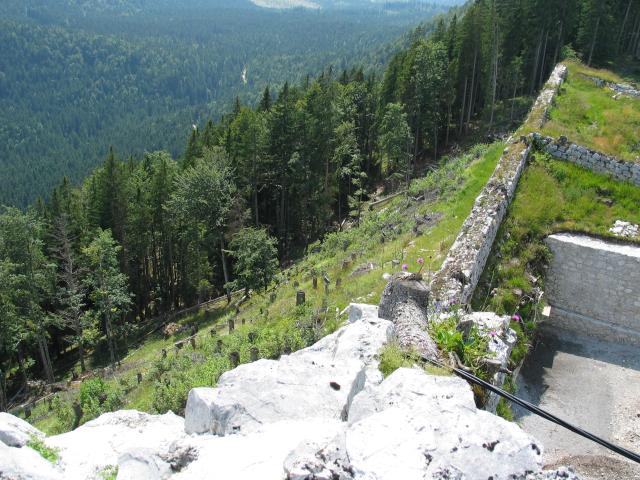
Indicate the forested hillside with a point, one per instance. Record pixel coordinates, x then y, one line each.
142 237
77 77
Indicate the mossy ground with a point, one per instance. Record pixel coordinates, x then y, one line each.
276 323
589 115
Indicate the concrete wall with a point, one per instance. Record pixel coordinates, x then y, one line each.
593 287
590 159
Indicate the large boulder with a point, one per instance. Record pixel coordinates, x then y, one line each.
25 464
103 442
421 427
316 382
15 432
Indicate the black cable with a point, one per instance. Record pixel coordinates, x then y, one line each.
538 411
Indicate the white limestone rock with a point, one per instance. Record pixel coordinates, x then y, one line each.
316 382
428 427
260 454
15 432
100 443
142 465
625 229
25 464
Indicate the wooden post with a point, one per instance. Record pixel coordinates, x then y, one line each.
139 377
253 336
164 353
254 354
234 358
232 325
193 342
243 321
314 281
273 297
219 345
300 298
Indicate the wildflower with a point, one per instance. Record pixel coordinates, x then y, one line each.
421 263
516 318
493 333
405 267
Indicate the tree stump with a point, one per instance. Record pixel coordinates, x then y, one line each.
404 302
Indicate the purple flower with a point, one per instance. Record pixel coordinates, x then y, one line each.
493 333
516 318
420 260
405 267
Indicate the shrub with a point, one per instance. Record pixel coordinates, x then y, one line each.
98 397
63 414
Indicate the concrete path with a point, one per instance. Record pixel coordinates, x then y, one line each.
596 386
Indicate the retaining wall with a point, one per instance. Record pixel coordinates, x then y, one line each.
562 149
593 287
456 281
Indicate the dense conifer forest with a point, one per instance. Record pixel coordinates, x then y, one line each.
144 236
78 77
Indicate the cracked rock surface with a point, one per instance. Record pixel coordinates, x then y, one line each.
288 419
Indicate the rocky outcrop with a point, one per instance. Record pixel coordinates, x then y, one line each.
324 412
15 432
25 464
322 379
118 438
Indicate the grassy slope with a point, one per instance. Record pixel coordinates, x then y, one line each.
588 115
278 324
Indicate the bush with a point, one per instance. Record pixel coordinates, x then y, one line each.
98 397
63 414
471 350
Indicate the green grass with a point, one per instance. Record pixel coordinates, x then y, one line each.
552 196
277 325
588 115
48 453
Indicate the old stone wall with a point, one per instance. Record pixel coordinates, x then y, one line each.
593 287
598 162
457 279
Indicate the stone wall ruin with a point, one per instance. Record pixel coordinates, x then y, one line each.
593 287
